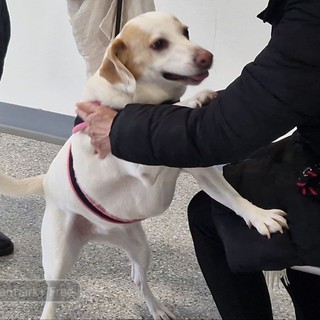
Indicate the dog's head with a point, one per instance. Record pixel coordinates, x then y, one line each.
153 59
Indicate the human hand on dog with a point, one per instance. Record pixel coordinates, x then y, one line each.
99 121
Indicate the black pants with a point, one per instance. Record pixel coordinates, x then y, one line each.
242 296
4 32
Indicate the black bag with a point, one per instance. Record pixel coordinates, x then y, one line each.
269 180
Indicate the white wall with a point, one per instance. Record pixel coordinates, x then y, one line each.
44 70
228 28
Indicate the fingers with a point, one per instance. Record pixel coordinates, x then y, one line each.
104 150
101 146
99 121
85 109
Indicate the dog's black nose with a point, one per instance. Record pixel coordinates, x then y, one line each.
203 58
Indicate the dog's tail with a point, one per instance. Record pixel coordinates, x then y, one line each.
17 188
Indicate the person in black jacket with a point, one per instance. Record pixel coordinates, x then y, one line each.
277 92
6 246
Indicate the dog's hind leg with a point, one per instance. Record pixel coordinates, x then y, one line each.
133 240
63 236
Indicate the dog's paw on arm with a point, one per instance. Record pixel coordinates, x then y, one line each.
200 99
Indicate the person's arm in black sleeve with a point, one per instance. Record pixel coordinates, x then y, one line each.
276 92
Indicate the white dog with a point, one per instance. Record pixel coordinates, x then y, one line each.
150 61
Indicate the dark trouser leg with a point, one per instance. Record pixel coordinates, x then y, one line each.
6 246
304 290
241 296
4 32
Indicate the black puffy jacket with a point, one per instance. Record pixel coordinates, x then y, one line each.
278 91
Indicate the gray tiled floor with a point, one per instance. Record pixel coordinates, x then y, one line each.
103 273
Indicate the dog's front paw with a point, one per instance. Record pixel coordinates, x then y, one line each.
205 96
267 221
200 99
160 312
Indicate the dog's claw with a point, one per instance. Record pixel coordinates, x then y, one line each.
266 221
160 312
200 99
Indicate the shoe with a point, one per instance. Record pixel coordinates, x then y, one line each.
6 245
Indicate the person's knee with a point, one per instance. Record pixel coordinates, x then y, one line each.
202 211
199 210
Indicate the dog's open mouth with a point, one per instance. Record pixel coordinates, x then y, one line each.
186 79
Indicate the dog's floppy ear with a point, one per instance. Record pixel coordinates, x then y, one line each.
113 67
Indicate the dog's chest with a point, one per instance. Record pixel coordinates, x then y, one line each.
127 190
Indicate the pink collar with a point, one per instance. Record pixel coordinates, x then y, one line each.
79 127
87 201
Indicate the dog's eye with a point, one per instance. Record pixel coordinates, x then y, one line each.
160 44
186 33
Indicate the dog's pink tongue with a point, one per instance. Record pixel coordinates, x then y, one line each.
200 77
